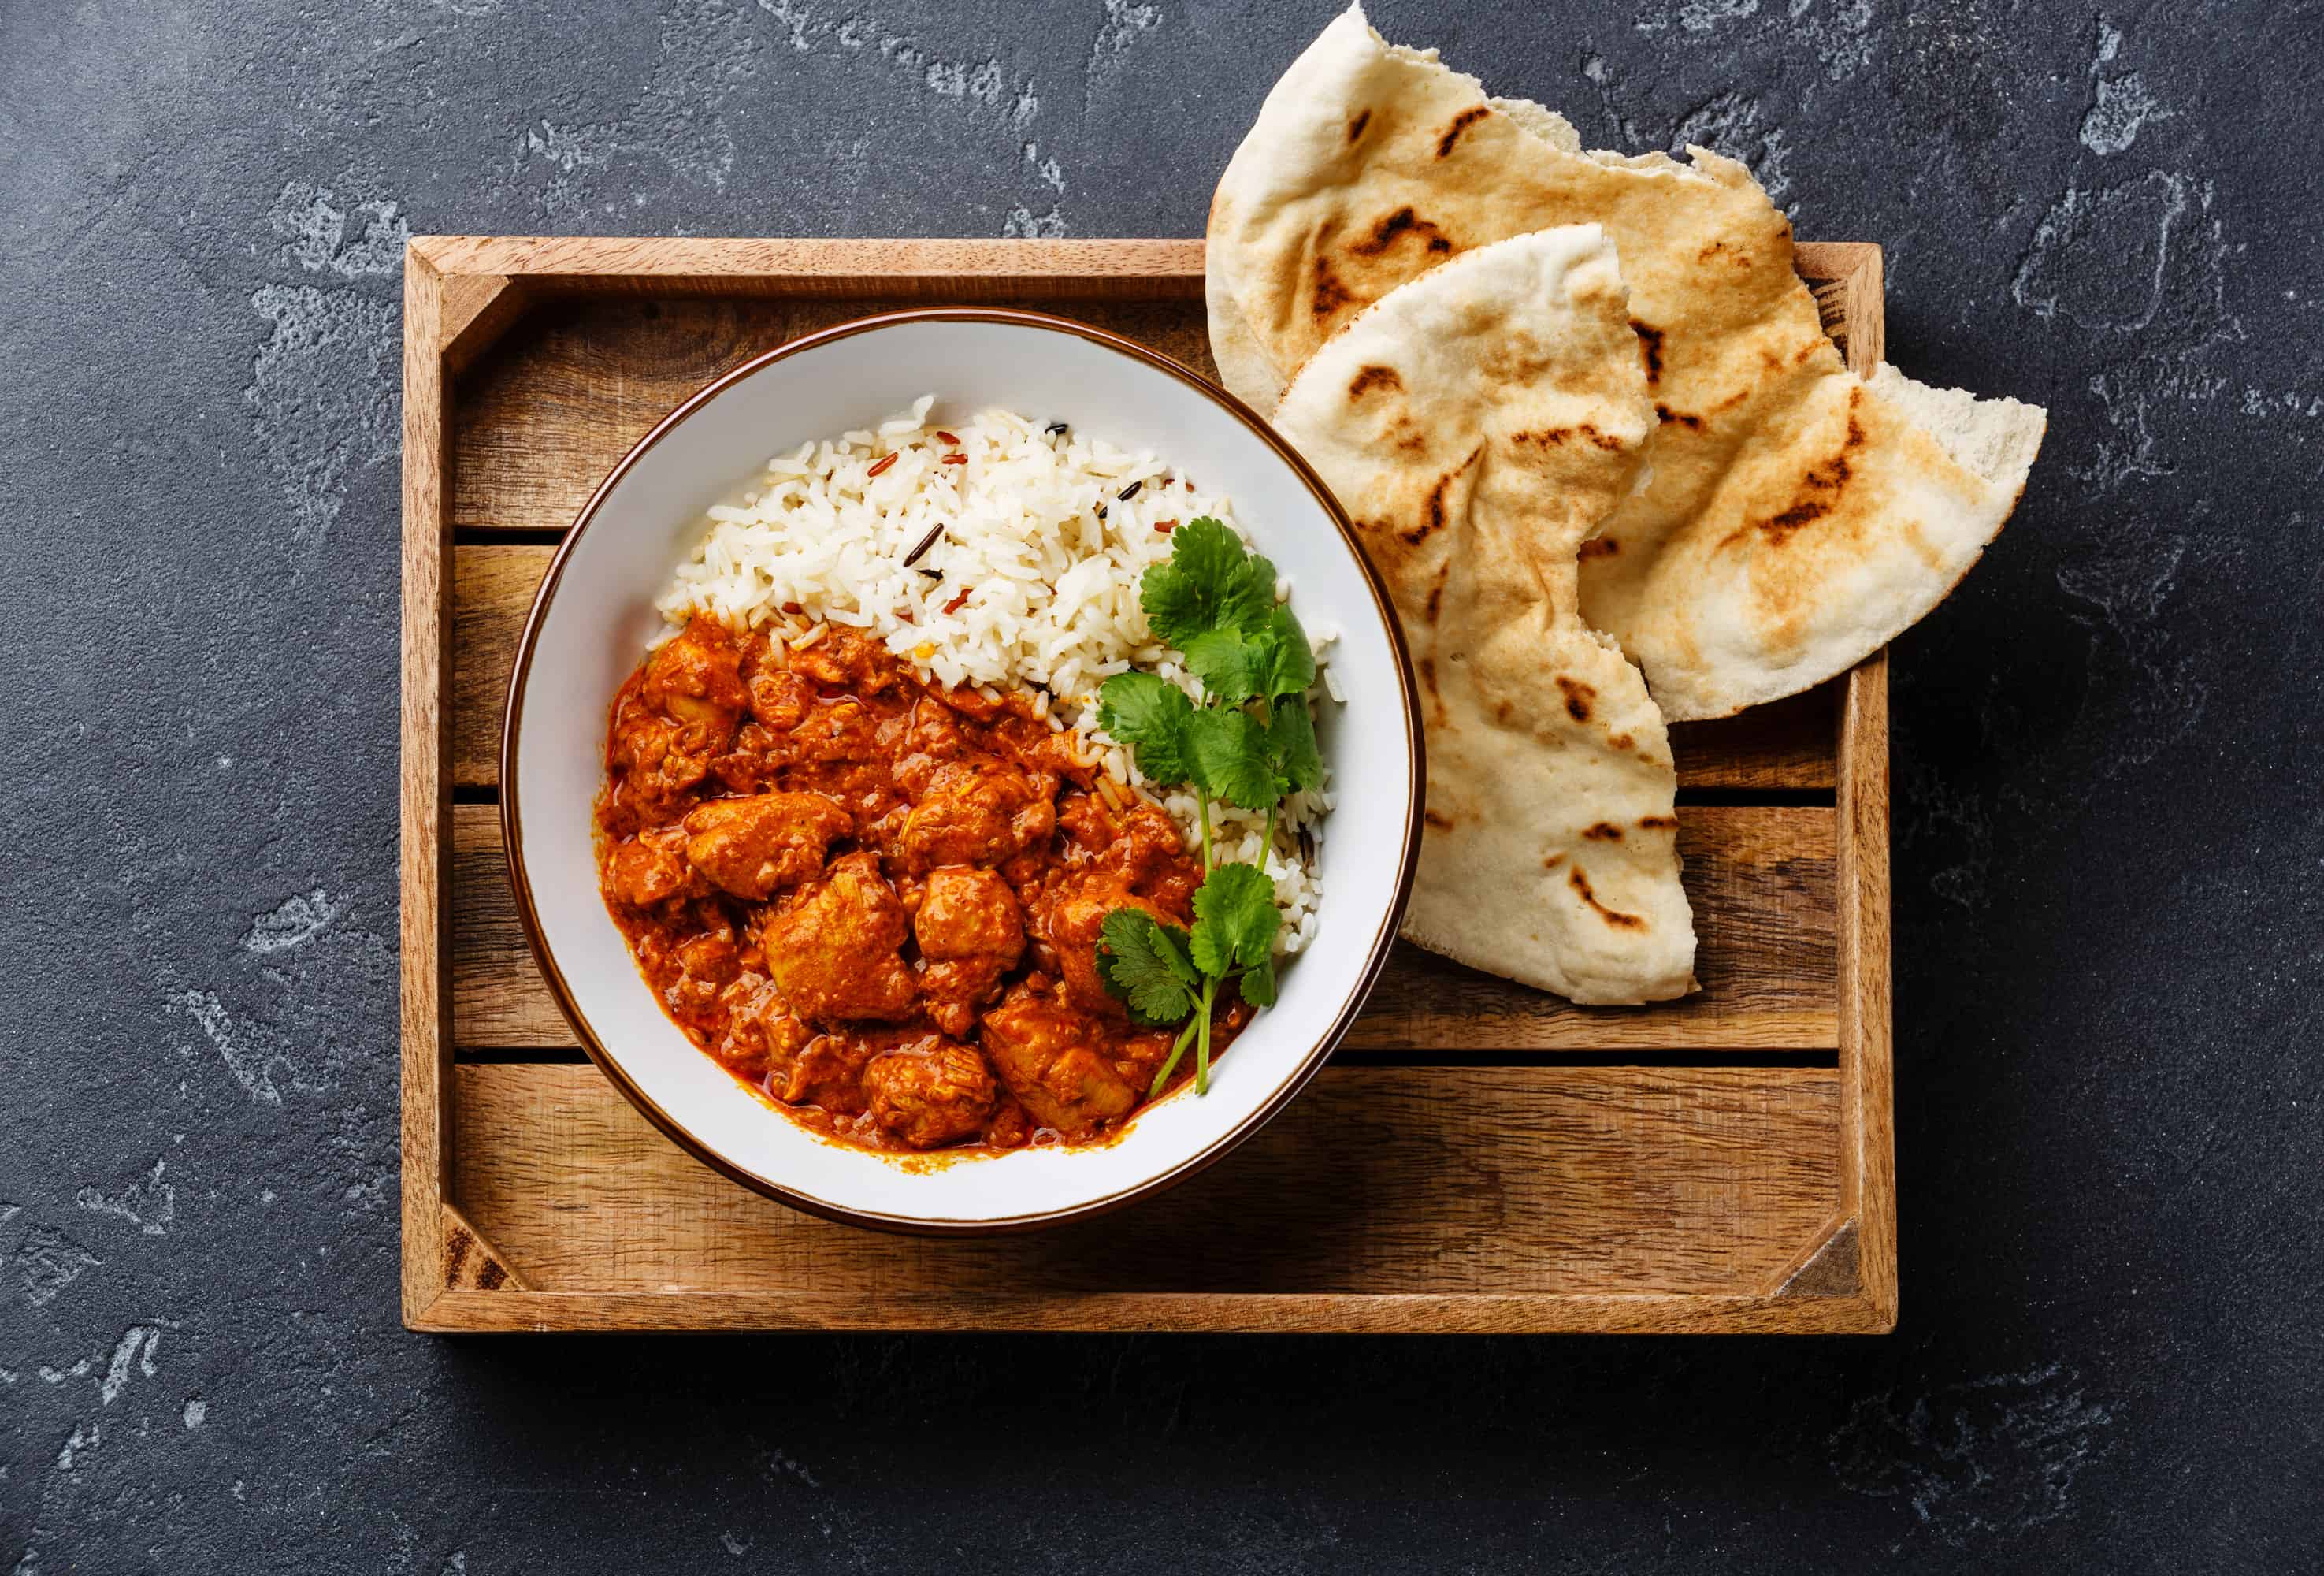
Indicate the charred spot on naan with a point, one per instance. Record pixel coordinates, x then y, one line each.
1553 862
1433 513
1403 222
1356 127
1668 417
1604 831
1436 589
1330 298
1658 823
1598 547
1460 122
1819 492
1556 437
1614 917
1374 377
1437 819
1578 697
1650 347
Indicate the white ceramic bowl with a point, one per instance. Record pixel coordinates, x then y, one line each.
596 611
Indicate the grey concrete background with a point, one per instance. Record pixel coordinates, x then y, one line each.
2108 825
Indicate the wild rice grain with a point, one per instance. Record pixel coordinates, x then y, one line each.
926 542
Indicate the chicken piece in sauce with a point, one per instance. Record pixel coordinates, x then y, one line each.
971 932
696 680
976 812
1067 919
1054 1060
755 846
828 1072
835 948
651 869
935 1092
762 1035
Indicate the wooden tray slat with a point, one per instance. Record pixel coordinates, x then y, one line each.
1418 1195
1375 1182
1761 877
1787 744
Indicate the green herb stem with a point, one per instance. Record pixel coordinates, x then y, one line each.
1203 1036
1171 1066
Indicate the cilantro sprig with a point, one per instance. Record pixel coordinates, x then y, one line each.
1249 741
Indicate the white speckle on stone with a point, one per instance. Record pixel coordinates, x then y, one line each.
251 1064
316 233
198 1412
1124 23
124 1351
1024 224
797 18
1702 15
86 1437
1052 175
292 922
48 1261
149 1205
2121 106
1995 1456
322 395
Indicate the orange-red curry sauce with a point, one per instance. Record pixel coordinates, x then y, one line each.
877 900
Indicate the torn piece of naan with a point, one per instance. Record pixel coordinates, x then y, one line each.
1796 517
1478 425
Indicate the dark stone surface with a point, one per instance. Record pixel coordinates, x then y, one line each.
2109 832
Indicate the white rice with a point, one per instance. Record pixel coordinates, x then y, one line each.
1051 603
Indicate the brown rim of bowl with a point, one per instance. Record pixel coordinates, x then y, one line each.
520 882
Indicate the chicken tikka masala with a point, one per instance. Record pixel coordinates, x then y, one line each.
877 900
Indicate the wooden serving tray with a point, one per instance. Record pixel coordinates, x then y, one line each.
1478 1157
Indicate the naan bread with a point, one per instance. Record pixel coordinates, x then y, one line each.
1477 424
1796 518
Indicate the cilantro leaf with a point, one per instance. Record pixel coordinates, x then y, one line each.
1291 740
1143 963
1258 984
1229 753
1235 920
1232 669
1149 714
1210 581
1290 660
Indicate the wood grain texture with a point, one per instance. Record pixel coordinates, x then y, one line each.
948 268
423 795
471 1263
1847 281
1866 984
1377 1182
1760 876
1183 1313
1786 744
